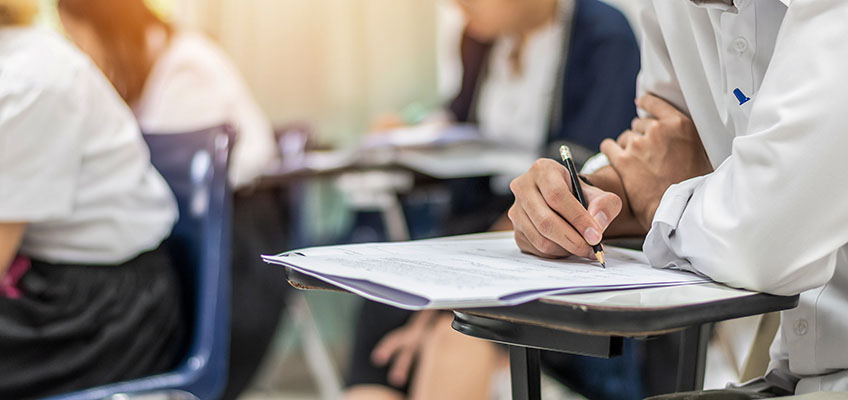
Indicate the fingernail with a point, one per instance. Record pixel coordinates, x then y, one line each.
592 235
602 219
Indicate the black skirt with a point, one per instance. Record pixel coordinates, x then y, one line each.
76 327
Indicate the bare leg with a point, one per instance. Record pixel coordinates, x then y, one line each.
455 366
372 392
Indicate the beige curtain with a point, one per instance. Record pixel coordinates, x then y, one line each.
333 63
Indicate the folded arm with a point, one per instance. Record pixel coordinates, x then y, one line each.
773 215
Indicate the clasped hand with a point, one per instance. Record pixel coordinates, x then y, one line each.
654 154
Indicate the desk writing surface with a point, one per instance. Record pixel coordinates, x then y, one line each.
651 298
622 313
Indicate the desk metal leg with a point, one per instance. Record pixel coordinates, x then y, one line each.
692 358
525 372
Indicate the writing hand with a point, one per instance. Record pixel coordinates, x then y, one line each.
549 221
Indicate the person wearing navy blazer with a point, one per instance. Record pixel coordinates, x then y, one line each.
590 98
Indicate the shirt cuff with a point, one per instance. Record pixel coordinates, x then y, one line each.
595 163
658 247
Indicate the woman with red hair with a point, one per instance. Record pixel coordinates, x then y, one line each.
179 81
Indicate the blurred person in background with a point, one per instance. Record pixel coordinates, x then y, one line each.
534 73
87 294
179 81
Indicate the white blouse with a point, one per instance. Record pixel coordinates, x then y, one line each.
73 164
192 86
514 107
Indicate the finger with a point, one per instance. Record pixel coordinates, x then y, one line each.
626 138
523 243
557 214
387 347
539 208
618 157
399 372
530 240
612 149
656 106
553 223
527 247
643 125
556 191
603 206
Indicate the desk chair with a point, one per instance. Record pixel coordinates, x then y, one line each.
195 166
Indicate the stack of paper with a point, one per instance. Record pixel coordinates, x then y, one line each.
428 135
463 273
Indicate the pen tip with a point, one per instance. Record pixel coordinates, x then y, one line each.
601 259
604 265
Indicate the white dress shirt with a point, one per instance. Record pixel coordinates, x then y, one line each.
773 216
73 164
192 86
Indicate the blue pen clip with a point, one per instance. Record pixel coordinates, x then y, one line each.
741 96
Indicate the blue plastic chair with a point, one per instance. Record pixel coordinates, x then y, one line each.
195 166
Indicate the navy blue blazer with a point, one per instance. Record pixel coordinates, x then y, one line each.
599 84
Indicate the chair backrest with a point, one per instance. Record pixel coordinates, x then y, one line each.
195 166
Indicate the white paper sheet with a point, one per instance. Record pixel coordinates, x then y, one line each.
470 273
428 134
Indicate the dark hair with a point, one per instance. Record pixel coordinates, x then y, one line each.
121 27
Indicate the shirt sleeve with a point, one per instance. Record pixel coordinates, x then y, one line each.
196 87
656 75
773 215
39 154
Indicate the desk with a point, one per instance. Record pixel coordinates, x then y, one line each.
372 179
449 162
594 324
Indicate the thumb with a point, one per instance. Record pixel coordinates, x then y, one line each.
603 206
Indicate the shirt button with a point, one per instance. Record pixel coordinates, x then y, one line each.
801 327
740 45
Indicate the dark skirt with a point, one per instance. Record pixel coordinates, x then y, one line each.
76 327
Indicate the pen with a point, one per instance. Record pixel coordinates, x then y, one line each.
565 152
